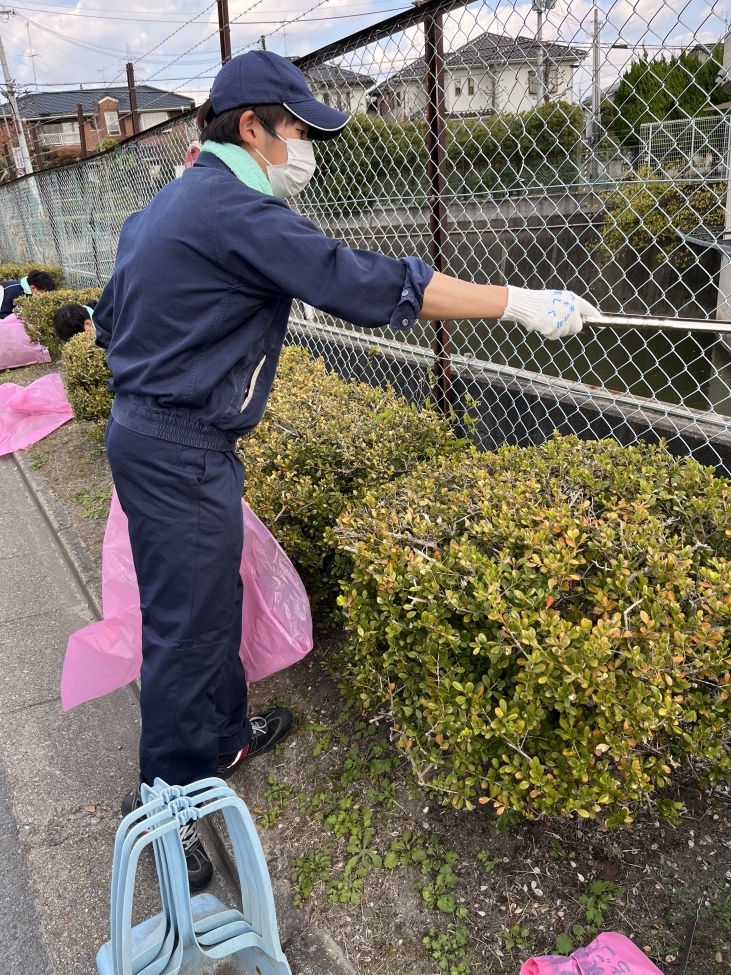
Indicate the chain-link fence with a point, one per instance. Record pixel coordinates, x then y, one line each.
545 147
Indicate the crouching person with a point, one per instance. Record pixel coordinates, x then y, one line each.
72 319
35 283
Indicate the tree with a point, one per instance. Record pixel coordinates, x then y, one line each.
662 89
375 159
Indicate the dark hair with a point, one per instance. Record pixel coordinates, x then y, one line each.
69 320
225 127
41 280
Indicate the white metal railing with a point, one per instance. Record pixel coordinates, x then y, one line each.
60 138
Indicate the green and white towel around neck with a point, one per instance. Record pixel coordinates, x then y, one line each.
241 165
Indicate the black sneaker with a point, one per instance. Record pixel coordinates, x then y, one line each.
200 868
269 729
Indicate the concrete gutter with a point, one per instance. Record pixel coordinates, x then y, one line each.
310 949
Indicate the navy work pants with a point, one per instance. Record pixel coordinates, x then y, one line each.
186 528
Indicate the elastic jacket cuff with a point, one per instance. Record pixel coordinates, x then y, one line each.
417 277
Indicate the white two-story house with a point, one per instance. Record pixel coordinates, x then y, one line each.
490 74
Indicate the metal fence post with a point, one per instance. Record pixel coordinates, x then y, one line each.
437 176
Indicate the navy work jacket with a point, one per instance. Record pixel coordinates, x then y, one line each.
13 290
196 312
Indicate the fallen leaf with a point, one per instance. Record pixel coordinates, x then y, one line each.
719 956
608 870
90 809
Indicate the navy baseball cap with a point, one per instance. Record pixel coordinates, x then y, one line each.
266 78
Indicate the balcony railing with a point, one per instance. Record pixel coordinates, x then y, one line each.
60 138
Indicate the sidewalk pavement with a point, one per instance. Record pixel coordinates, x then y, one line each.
62 775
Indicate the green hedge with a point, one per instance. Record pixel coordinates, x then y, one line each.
37 311
546 628
14 272
86 380
322 444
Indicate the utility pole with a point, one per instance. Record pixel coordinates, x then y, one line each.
224 30
263 42
32 56
540 7
133 98
10 87
596 94
82 130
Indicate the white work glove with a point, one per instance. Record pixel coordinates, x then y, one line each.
555 314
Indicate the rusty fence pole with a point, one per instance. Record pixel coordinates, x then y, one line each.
82 131
133 98
436 144
224 30
37 148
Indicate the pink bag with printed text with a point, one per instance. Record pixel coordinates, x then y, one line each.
16 348
608 954
30 413
276 631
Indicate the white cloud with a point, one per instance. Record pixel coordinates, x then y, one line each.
81 41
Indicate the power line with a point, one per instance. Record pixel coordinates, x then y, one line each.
35 9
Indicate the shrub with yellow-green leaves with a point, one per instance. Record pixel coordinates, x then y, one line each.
546 628
323 443
86 378
14 272
37 311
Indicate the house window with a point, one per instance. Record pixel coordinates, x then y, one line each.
148 119
532 83
470 86
458 89
554 79
326 98
111 120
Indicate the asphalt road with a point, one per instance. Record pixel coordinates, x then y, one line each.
21 947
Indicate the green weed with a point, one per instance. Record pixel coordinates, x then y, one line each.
600 897
278 796
93 505
447 948
487 861
516 937
314 867
564 944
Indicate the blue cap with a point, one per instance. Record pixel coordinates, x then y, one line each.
266 78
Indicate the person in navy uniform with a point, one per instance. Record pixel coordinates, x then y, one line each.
35 283
193 321
71 319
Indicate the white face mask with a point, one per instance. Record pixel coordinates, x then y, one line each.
290 178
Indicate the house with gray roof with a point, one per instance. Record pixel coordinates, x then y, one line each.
106 111
340 87
489 74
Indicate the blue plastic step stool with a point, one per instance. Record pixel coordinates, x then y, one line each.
192 935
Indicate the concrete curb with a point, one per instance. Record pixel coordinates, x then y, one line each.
66 535
311 949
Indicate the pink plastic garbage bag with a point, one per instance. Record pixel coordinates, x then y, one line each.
276 631
16 349
608 954
30 413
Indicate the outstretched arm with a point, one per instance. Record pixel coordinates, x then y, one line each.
447 297
555 314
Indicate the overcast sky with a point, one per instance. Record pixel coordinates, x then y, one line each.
88 41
